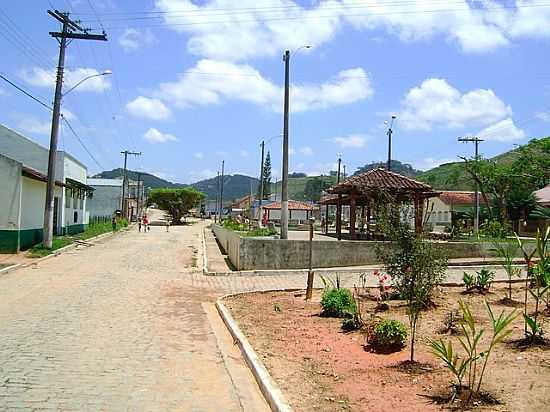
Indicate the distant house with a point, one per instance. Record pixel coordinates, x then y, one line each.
107 198
298 212
449 203
23 171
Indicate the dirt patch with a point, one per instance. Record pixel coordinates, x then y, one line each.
321 368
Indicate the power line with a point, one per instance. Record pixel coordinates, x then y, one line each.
81 142
25 92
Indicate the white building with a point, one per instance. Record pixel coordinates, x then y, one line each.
23 170
106 199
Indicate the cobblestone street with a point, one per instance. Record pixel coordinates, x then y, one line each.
115 326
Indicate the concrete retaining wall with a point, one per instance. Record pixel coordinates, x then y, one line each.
260 253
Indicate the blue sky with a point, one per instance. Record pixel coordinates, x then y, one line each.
197 82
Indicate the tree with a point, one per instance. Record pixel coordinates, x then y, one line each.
266 179
177 202
314 187
414 265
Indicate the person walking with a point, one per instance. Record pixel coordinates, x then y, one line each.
145 223
167 224
113 223
139 224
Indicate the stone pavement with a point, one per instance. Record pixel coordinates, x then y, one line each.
116 326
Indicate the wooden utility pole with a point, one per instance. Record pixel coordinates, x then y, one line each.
70 30
125 181
138 195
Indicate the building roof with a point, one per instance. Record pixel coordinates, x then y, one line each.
104 182
379 179
543 195
36 175
453 197
292 205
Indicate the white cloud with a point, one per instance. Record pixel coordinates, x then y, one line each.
133 39
243 153
67 114
253 28
544 116
198 155
436 102
503 131
197 175
30 124
155 136
40 77
352 140
212 81
306 151
147 108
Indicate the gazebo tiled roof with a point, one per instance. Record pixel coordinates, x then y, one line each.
379 179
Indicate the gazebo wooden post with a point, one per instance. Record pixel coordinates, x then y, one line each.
352 217
326 219
363 218
418 213
339 217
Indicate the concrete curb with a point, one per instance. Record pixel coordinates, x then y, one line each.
9 269
269 388
204 254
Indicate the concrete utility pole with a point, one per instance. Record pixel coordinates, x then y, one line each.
125 181
284 183
217 210
70 30
221 192
476 141
261 185
338 172
390 133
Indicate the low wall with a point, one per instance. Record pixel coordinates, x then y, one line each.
260 253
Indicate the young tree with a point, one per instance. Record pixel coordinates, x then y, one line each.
416 266
177 202
266 179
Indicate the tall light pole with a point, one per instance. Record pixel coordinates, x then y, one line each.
476 141
389 133
338 170
70 30
284 183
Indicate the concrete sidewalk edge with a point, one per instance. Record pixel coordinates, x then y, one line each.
268 387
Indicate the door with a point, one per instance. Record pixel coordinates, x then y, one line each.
55 215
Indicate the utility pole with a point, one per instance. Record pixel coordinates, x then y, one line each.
284 183
70 30
476 141
338 172
138 195
390 133
221 192
344 172
217 210
261 185
125 181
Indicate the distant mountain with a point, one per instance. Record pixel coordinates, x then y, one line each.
148 179
396 166
234 186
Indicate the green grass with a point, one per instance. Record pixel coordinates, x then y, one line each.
58 242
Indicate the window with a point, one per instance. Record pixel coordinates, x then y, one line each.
75 216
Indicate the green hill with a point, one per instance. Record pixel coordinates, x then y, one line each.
148 179
234 186
404 169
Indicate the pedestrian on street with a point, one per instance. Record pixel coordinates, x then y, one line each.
139 224
113 223
167 224
145 224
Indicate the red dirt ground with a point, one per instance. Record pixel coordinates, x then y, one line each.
321 368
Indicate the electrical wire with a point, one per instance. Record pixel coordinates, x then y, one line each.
25 92
81 142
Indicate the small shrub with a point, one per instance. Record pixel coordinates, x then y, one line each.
494 229
481 281
338 303
388 335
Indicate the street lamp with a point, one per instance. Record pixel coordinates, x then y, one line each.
104 73
284 183
389 133
262 145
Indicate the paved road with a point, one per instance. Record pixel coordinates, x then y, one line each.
117 326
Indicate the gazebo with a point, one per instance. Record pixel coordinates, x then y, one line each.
367 189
